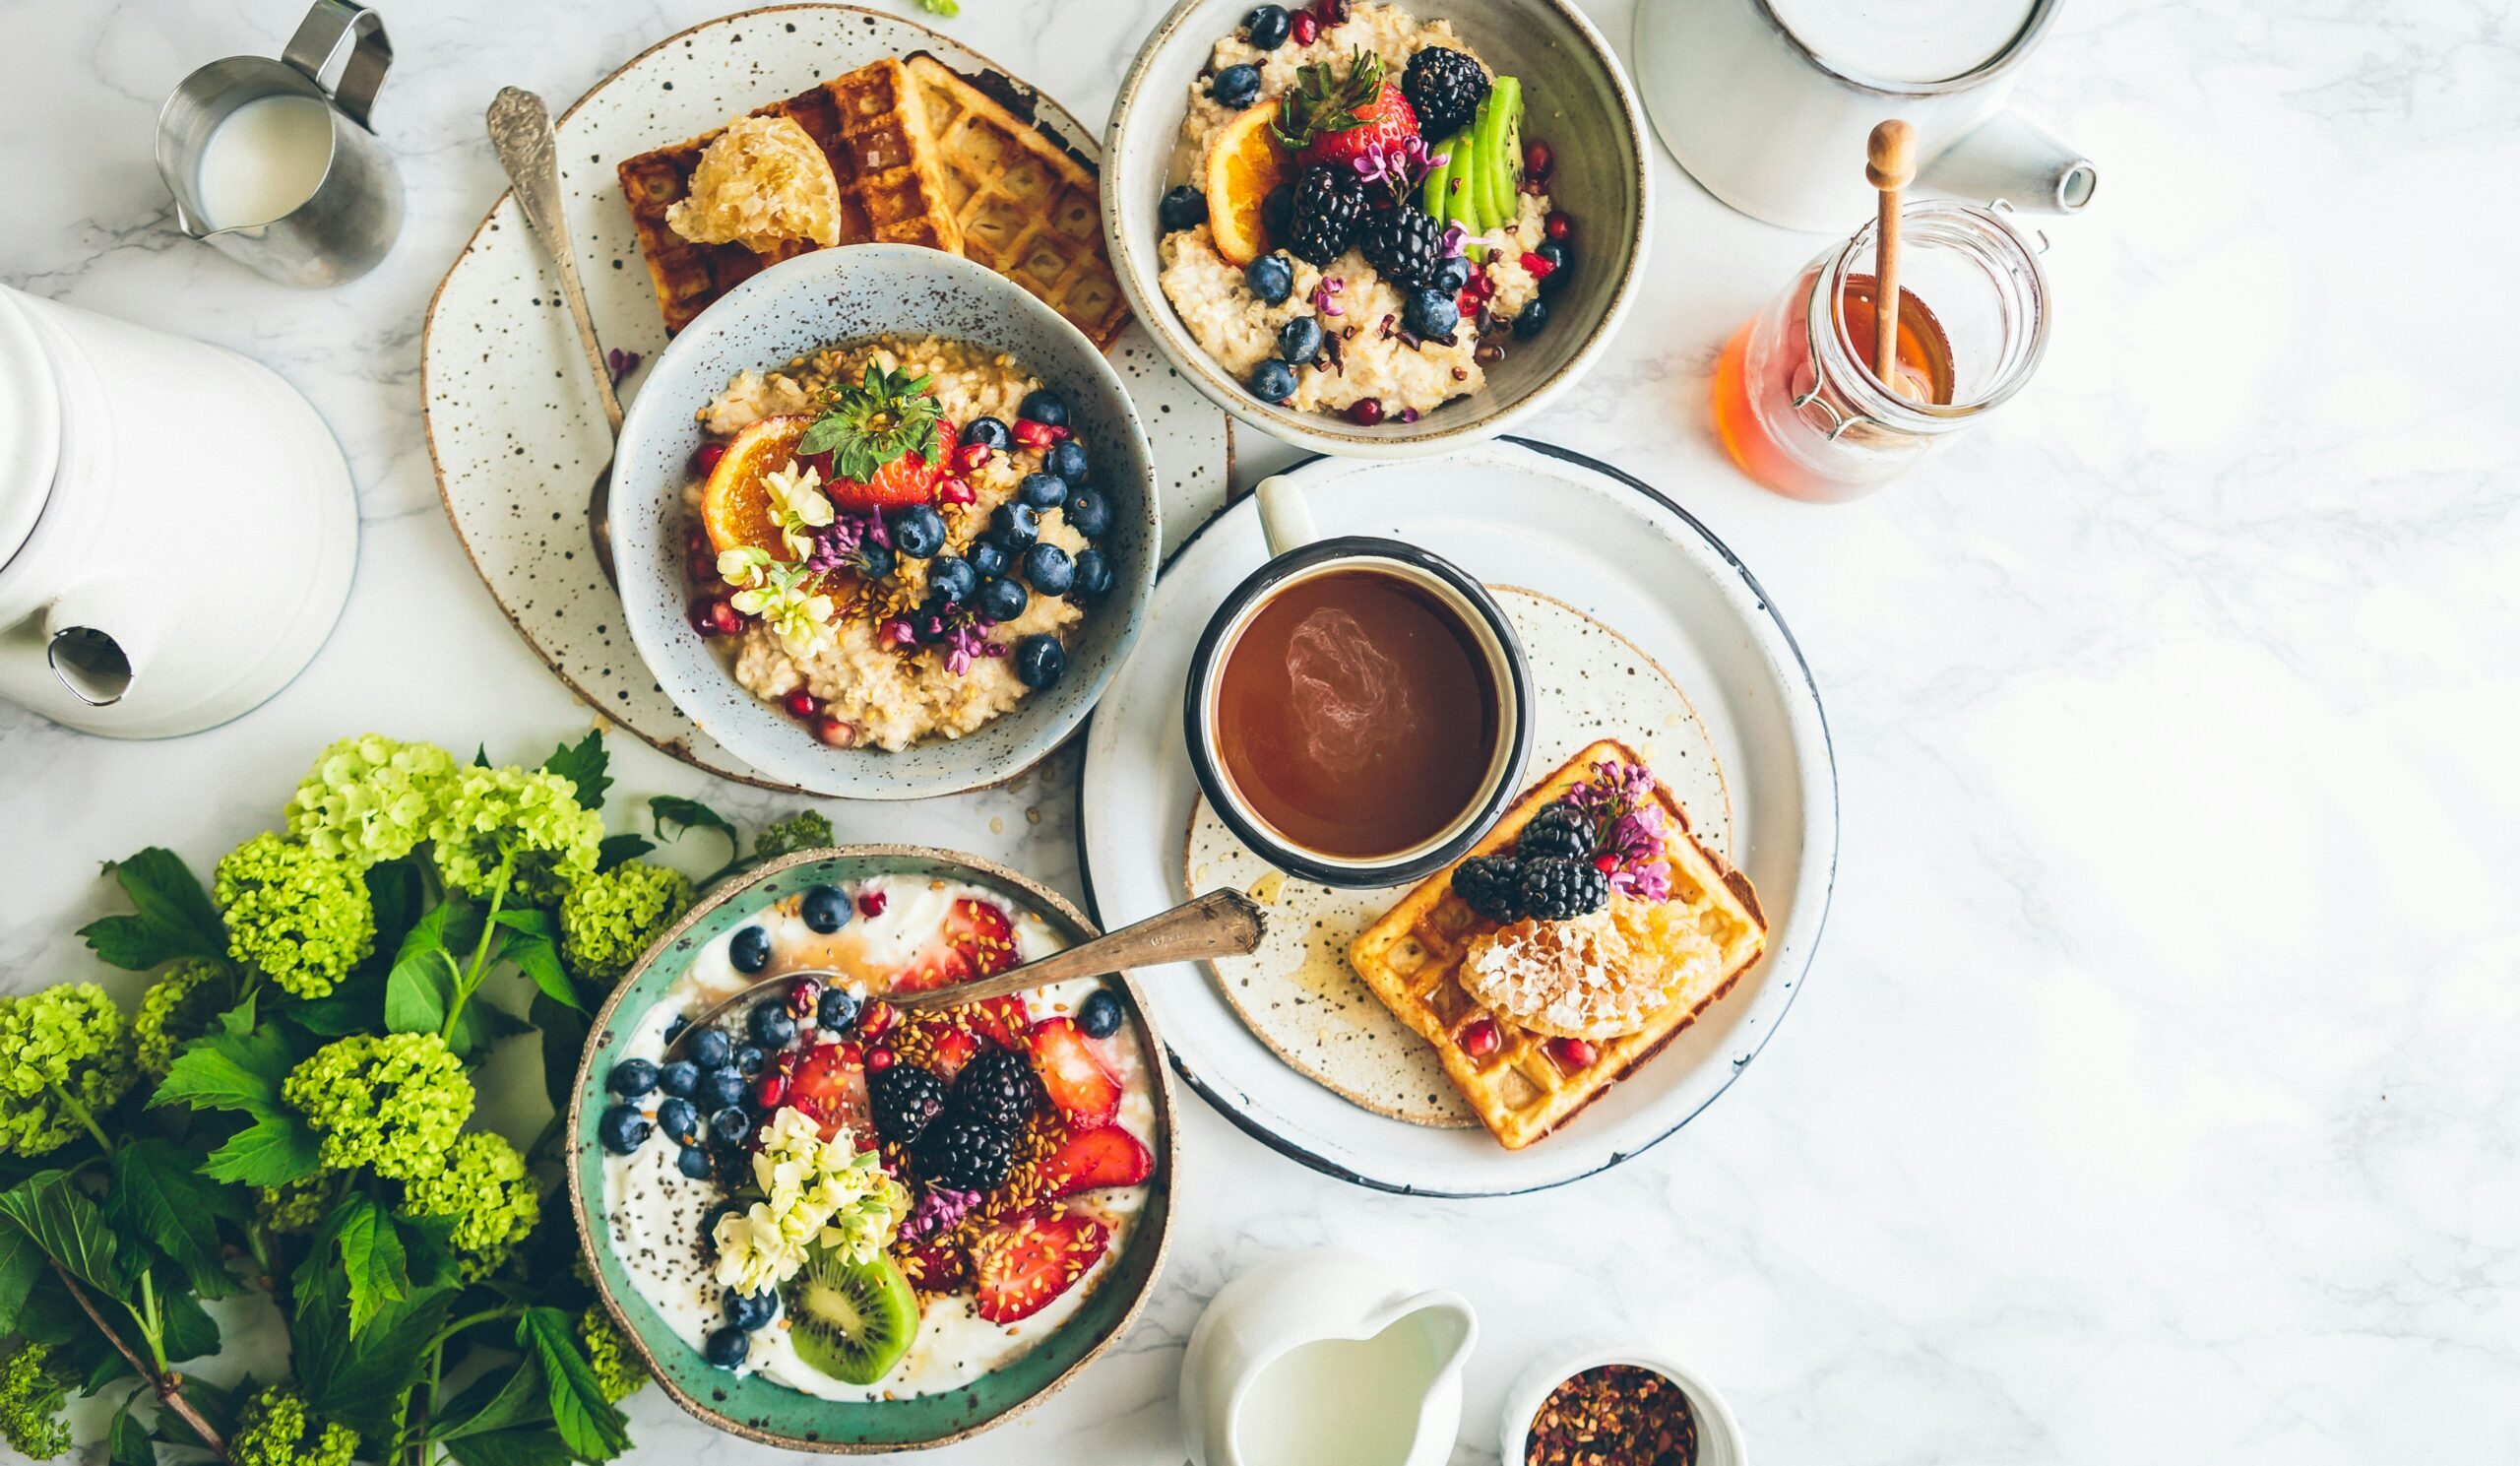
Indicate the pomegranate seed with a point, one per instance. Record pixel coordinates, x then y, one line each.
1307 28
1541 269
704 458
784 1062
851 1053
1465 302
1478 1039
956 491
802 704
1538 161
835 733
771 1090
803 994
1606 864
1570 1055
880 1061
1558 224
969 456
701 567
695 538
714 615
1332 12
870 902
878 1016
1031 434
1062 433
1364 411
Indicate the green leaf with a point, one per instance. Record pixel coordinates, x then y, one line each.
21 1263
674 814
274 1150
158 1193
229 1070
532 946
426 969
172 916
480 755
66 1226
356 1005
594 1430
361 1381
395 891
189 1332
526 1445
617 850
564 1038
127 1443
371 1259
497 1402
583 766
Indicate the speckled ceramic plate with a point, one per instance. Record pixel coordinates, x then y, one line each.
513 424
758 1409
1628 558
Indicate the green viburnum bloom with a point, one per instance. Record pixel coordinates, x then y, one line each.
618 1371
393 1103
295 914
276 1429
181 1006
371 798
806 829
296 1207
484 1186
62 1051
524 819
610 918
31 1401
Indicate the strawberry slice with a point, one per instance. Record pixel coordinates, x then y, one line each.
976 940
1086 1092
1017 1268
905 480
831 1090
1003 1019
935 1265
1091 1160
1333 116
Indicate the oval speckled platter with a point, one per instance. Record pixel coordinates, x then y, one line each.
772 1414
514 429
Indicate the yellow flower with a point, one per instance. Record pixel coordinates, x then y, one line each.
797 505
787 599
816 1193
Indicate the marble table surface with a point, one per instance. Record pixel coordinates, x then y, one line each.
2154 1096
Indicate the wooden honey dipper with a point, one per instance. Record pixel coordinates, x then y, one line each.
1890 165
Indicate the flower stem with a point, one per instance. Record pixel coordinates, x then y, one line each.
471 978
79 1112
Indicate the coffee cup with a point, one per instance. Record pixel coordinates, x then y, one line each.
1358 710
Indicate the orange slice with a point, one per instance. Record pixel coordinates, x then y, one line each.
735 506
1244 163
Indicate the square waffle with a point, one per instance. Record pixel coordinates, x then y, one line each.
873 128
1026 208
1411 960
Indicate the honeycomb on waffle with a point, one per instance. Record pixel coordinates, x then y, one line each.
874 131
1026 207
1411 960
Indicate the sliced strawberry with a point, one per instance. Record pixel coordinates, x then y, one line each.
935 1265
1017 1268
905 480
830 1089
1087 1093
1003 1019
1091 1160
976 941
1387 121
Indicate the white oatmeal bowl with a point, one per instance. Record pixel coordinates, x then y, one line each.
850 711
1380 389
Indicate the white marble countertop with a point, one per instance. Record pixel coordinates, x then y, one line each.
2153 1098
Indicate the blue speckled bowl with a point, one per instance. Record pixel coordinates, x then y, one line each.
773 1414
839 295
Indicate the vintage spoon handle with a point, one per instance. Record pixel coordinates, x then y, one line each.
521 133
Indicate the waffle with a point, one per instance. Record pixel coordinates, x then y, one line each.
1411 960
871 127
1026 208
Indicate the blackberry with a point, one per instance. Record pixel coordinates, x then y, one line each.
998 1086
904 1099
1444 87
1491 885
1329 204
1404 246
1559 829
965 1151
1555 889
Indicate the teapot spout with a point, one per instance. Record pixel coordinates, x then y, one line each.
2010 157
97 666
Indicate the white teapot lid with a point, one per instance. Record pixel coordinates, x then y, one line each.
29 425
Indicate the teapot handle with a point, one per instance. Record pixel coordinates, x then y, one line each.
319 39
2012 158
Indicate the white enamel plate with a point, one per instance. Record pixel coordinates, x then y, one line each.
1608 545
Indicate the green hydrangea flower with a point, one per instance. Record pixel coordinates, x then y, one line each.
371 798
31 1401
523 818
293 1206
62 1051
181 1005
393 1103
618 1371
295 914
276 1429
806 829
487 1190
610 918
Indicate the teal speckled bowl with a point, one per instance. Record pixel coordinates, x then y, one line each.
772 1414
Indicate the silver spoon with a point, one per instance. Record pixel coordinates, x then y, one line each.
520 133
1221 924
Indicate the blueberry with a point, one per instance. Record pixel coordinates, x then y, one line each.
1561 265
750 1311
1040 490
675 1029
1452 273
1044 406
720 1088
749 1060
771 1025
711 1049
679 1078
1000 599
1278 211
1267 28
988 556
750 953
1299 340
727 1348
838 1011
710 1219
1089 513
1039 660
622 1129
989 431
631 1078
918 531
1430 314
1049 569
1099 1017
1184 207
877 560
826 907
1016 526
1271 278
694 1161
950 579
679 1118
1067 461
1093 575
1534 315
1236 86
729 1126
1273 381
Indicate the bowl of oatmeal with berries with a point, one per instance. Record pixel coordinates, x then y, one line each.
885 523
1378 228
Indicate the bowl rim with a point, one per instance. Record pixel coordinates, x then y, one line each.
1168 1127
1554 1366
1322 432
839 773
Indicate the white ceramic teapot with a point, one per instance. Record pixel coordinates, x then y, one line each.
1318 1359
177 528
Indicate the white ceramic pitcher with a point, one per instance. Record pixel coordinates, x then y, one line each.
1318 1359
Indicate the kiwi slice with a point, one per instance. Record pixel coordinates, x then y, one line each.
1442 200
1500 135
851 1320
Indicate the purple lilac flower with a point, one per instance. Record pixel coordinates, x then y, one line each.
939 1208
1325 292
969 641
835 544
1629 827
1398 166
621 364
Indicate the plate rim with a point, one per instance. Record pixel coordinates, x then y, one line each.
1313 1161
